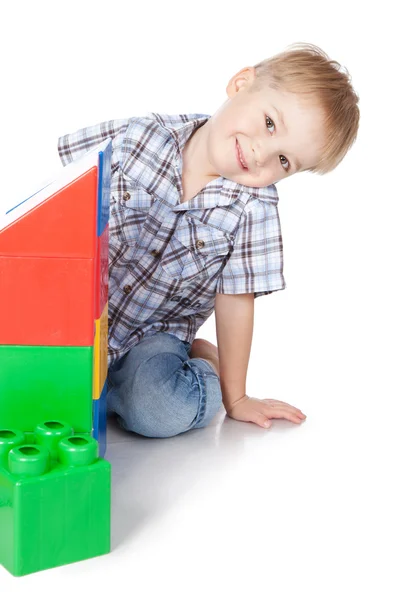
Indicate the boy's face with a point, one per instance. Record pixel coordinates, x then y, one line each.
278 133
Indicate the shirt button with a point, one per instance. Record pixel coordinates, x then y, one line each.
126 196
155 252
109 322
200 244
127 289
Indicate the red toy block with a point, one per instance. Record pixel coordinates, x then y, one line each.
47 301
63 225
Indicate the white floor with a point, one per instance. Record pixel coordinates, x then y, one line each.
233 511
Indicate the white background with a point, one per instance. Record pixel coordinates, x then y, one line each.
296 512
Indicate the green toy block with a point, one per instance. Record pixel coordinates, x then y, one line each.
41 383
55 498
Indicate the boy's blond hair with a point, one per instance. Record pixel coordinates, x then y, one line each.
305 69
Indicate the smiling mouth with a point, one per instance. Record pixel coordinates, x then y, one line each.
240 157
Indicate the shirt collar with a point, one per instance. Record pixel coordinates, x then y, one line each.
180 127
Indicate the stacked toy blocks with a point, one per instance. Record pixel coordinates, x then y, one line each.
54 488
54 498
53 301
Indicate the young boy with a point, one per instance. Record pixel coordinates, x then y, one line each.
194 227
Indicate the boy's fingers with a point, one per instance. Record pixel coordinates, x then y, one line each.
283 413
284 409
262 421
265 420
275 409
276 403
292 409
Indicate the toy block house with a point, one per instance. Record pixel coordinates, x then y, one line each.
53 301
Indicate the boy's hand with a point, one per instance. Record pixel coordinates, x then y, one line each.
261 412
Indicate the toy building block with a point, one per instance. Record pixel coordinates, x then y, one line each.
101 273
39 382
54 498
53 298
100 362
100 420
99 380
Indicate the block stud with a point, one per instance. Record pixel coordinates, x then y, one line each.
9 438
50 433
29 460
78 450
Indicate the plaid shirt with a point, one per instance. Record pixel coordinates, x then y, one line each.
168 259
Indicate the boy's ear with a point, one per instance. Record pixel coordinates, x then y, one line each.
241 81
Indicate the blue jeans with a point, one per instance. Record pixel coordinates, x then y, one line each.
156 390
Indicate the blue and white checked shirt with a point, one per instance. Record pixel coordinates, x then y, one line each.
168 259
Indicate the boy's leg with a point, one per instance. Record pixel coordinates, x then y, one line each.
204 349
157 390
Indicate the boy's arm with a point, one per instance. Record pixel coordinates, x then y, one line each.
72 146
234 317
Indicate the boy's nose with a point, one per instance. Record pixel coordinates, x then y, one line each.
263 153
264 158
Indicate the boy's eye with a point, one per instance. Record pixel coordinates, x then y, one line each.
270 122
284 161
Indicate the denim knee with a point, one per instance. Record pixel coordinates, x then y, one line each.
168 396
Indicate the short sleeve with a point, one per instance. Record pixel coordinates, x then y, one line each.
256 262
74 145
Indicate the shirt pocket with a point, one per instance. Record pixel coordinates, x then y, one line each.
196 251
133 205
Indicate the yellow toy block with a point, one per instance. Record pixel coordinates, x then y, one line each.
100 353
